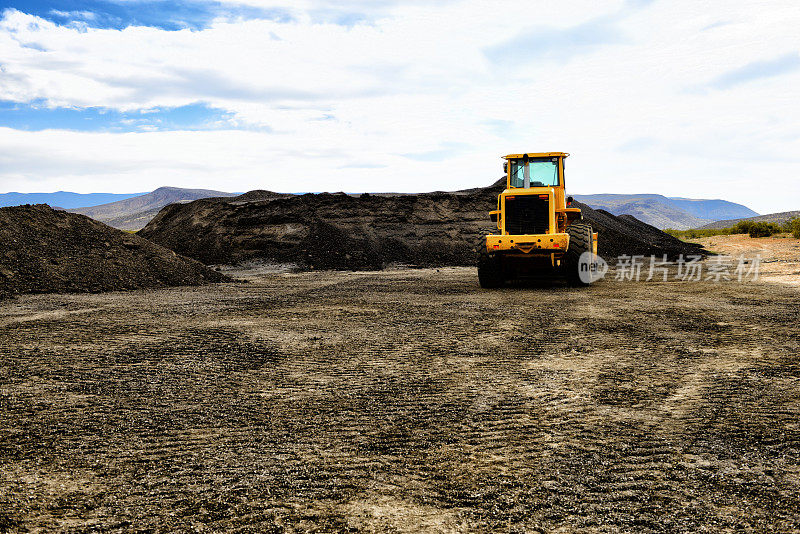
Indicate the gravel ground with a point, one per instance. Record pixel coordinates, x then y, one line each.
402 401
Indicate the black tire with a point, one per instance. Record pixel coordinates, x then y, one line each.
580 241
490 271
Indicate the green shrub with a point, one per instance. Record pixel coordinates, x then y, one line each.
695 233
792 226
755 229
763 229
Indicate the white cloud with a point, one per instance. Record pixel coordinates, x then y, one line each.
73 15
381 105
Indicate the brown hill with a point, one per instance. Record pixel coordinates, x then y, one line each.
134 213
47 251
363 232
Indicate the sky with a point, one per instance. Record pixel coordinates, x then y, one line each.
690 98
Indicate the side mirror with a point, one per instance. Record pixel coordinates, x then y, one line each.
505 167
570 200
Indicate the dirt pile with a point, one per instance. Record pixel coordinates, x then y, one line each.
364 232
259 194
44 251
327 231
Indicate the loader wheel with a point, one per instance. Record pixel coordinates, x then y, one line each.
580 241
490 272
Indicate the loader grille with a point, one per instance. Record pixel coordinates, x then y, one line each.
527 214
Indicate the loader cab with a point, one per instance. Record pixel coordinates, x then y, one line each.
540 173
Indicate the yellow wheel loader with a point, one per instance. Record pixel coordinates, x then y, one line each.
540 234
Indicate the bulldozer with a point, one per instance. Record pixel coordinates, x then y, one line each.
540 234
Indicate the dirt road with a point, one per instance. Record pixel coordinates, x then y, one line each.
780 254
402 401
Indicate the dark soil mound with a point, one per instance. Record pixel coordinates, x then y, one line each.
327 231
363 232
47 251
258 194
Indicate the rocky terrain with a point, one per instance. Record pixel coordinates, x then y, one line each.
47 251
340 231
402 401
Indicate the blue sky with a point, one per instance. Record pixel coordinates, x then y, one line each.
35 116
676 97
165 15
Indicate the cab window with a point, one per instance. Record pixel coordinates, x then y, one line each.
543 172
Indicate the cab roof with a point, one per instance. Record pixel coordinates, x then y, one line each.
537 155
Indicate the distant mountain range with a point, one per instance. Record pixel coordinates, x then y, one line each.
781 217
134 213
667 212
62 199
712 209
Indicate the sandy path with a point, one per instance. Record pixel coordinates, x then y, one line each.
780 255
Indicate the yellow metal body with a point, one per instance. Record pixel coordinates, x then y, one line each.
547 246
